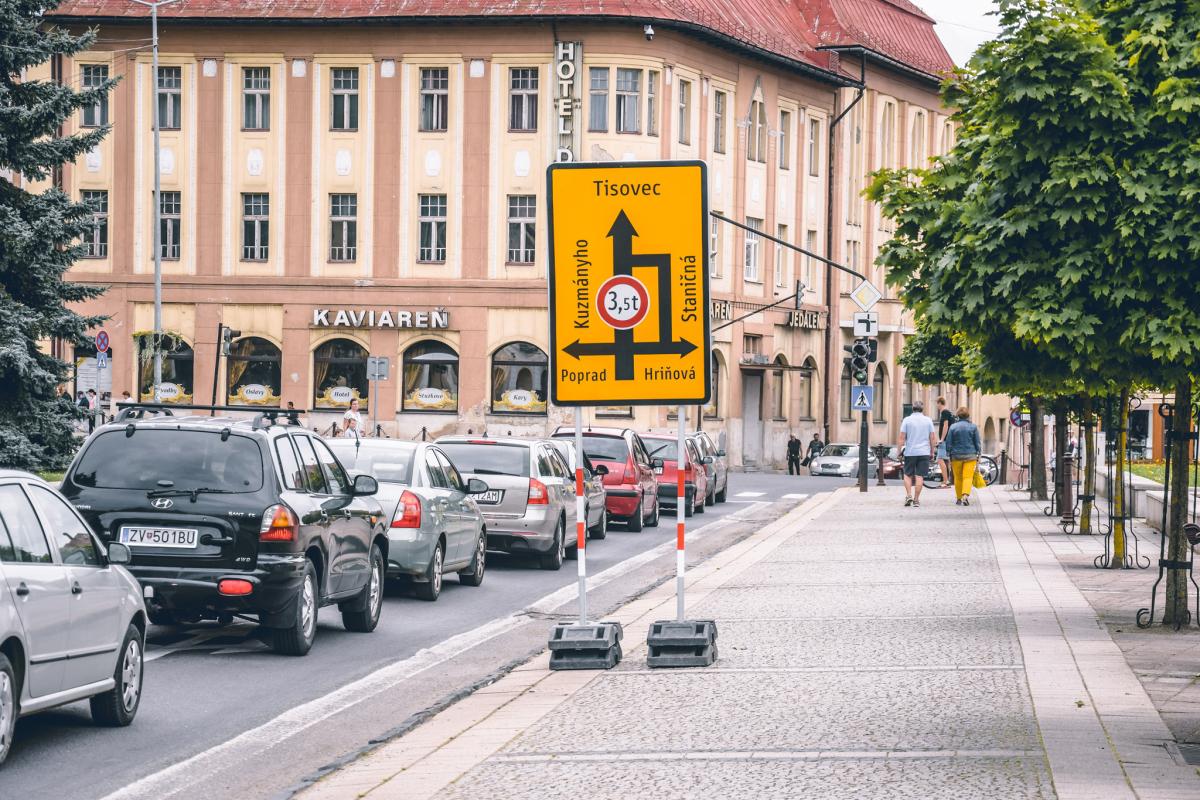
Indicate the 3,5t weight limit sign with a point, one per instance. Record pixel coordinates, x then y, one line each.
622 302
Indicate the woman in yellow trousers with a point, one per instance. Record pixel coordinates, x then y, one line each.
963 447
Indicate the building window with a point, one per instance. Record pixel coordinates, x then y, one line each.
814 147
177 369
522 99
785 140
879 408
170 86
917 156
170 209
256 227
652 103
847 411
629 100
720 100
435 98
685 112
598 99
94 76
782 254
519 374
714 247
340 374
857 168
947 136
807 383
887 137
256 98
852 248
252 373
522 218
343 227
752 344
779 390
906 396
753 246
344 81
95 241
756 147
810 263
432 228
430 377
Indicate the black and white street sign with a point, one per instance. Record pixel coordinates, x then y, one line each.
866 323
378 368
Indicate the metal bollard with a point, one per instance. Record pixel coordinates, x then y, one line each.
1065 485
880 452
1003 466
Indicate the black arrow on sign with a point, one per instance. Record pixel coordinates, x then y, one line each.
622 233
577 349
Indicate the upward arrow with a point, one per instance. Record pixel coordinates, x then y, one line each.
622 226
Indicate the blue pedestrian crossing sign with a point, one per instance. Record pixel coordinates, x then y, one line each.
861 398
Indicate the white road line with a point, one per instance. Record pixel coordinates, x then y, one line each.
749 494
794 497
184 774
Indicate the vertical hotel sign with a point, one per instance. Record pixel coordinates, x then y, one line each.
567 59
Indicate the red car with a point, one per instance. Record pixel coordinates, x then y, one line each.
630 485
664 452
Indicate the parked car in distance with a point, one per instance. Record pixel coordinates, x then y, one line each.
72 624
593 488
530 504
717 469
841 460
664 455
228 516
632 491
434 524
893 464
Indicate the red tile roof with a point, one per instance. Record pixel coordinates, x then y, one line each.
792 29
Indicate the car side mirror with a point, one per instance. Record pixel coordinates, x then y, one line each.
721 453
657 463
119 553
365 485
476 486
706 460
600 469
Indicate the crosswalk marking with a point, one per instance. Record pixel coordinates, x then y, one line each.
795 497
749 494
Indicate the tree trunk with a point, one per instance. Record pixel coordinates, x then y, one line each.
1117 490
1061 477
1037 449
1176 605
1089 466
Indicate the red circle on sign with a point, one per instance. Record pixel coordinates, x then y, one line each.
622 302
102 341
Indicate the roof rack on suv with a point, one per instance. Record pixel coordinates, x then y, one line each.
265 418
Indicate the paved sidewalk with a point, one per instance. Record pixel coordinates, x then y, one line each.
867 650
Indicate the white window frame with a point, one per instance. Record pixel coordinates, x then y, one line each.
753 250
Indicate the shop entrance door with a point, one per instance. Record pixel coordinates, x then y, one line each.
752 383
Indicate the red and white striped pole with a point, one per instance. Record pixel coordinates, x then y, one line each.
680 513
580 517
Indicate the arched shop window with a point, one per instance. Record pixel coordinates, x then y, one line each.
177 369
253 373
430 377
519 374
807 382
340 374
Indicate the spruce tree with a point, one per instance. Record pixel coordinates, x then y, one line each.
39 237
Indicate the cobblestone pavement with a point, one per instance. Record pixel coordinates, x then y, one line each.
866 651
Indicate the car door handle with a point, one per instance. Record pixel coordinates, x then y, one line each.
76 588
324 515
346 513
22 589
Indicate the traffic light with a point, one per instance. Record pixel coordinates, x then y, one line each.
873 356
800 287
227 337
860 353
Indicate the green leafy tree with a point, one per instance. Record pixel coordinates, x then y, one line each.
931 358
38 238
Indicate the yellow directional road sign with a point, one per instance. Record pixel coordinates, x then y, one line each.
629 283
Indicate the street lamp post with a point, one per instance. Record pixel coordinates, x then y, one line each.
157 194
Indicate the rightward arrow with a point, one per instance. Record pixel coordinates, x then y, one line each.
577 349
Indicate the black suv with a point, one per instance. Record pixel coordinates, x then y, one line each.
229 517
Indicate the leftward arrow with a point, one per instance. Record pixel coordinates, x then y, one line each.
577 349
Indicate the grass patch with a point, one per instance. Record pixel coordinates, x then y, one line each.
51 477
1157 470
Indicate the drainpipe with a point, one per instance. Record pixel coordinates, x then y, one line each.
831 300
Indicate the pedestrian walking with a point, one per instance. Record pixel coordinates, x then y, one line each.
815 446
964 447
944 420
793 454
917 443
93 405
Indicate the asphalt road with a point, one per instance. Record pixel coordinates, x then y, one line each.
223 716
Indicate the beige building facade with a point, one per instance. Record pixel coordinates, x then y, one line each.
338 189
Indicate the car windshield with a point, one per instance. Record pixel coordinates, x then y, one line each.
390 463
605 448
488 458
171 459
666 449
840 450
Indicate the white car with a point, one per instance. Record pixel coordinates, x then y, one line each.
72 621
841 460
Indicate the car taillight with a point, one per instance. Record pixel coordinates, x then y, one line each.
234 587
538 495
630 474
408 513
278 525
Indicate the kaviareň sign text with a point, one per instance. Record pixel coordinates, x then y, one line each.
380 318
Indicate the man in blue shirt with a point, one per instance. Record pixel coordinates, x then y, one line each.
917 443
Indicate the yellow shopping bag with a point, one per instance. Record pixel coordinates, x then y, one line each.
978 480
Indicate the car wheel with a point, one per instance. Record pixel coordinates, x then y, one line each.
636 520
297 639
653 521
689 506
431 588
601 529
721 495
118 706
474 575
699 506
710 499
558 552
9 694
365 616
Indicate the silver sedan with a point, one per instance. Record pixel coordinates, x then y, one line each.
435 525
841 460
